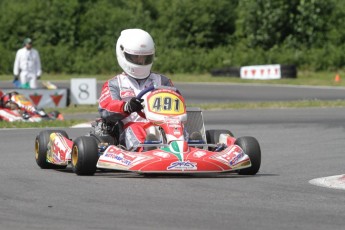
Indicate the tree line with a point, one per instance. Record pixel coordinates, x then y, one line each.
191 36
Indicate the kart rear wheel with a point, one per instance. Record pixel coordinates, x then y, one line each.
41 148
251 147
212 136
84 155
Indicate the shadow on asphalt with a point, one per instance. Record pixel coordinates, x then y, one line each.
124 174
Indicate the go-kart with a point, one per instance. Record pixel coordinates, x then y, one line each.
169 150
16 107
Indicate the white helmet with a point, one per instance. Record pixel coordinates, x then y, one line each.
135 51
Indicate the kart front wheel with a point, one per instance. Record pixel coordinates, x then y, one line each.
84 155
251 147
212 136
41 149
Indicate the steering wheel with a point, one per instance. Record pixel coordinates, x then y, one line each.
153 87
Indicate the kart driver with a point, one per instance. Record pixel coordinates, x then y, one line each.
135 52
6 102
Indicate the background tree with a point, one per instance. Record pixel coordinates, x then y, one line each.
78 36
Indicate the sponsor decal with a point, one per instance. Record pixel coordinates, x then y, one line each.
230 155
177 131
199 154
56 98
224 156
236 158
59 148
182 165
172 121
161 154
174 126
121 157
57 160
127 92
140 159
35 98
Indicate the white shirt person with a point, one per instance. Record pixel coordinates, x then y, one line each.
27 65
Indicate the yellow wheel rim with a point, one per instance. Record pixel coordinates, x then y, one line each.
75 152
37 147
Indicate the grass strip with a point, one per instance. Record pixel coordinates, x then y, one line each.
231 105
305 77
273 105
42 124
82 109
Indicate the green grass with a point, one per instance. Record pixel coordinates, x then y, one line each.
273 105
42 124
230 105
73 109
304 78
250 105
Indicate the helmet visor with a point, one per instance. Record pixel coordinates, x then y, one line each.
139 59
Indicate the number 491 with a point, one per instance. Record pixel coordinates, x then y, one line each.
166 104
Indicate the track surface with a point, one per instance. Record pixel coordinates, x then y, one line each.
229 92
297 146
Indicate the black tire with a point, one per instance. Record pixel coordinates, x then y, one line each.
54 114
41 148
288 71
212 136
84 155
195 136
107 139
227 71
251 147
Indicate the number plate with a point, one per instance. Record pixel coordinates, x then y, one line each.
166 103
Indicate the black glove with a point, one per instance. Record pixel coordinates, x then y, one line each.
134 105
38 77
15 78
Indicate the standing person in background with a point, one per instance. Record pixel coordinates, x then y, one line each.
27 66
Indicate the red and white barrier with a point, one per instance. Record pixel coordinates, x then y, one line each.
44 98
261 72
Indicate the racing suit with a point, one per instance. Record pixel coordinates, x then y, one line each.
27 66
119 90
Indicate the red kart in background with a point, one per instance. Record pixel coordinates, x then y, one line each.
16 107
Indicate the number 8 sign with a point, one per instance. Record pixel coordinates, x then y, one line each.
83 90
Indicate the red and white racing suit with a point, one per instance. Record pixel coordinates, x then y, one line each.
115 93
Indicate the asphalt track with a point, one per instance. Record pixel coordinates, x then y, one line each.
197 93
297 145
